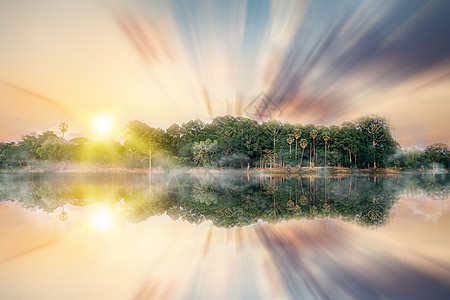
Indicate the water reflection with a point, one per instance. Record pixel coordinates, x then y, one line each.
227 200
91 237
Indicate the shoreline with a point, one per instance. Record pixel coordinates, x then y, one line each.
281 171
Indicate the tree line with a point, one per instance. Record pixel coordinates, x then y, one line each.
231 141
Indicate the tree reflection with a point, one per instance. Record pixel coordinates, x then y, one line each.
63 216
229 201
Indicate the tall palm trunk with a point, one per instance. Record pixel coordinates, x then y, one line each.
314 152
310 157
350 156
301 159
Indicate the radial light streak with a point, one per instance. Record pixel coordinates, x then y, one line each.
319 61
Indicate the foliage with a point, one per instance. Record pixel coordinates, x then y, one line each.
377 135
52 149
231 141
438 153
205 152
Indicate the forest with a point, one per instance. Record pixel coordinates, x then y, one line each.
232 142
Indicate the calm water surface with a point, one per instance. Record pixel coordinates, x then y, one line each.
224 236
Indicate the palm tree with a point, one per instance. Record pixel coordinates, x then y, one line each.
296 136
63 215
303 145
63 127
290 140
313 134
326 138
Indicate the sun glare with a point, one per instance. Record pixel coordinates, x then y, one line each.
102 219
103 124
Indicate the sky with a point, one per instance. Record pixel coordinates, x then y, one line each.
160 62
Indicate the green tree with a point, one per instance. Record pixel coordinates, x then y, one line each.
144 140
297 135
349 140
5 153
193 131
204 152
52 149
290 140
377 132
303 145
313 135
174 134
437 153
272 129
326 138
12 155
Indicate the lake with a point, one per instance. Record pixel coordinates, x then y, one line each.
224 235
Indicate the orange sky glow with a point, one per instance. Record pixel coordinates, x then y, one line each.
160 63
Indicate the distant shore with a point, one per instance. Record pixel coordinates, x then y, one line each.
105 169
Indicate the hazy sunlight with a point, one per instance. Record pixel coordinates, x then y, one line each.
103 124
102 219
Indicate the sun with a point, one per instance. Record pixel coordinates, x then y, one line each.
103 124
102 219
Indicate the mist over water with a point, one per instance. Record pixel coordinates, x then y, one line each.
224 236
227 199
